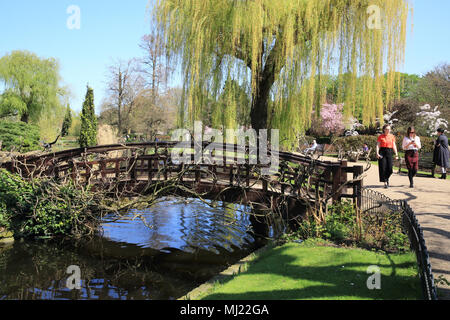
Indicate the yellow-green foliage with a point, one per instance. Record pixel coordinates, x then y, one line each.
50 122
75 128
308 39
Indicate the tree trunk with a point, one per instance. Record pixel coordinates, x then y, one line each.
119 104
258 113
260 100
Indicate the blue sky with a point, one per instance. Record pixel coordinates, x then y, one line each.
113 29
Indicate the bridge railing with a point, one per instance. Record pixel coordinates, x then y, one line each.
228 163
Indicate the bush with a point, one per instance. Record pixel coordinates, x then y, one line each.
4 217
342 225
40 208
427 144
19 136
340 222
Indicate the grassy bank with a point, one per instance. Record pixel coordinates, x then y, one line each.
317 270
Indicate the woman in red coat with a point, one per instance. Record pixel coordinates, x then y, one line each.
386 147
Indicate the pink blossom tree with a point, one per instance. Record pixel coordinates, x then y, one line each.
332 118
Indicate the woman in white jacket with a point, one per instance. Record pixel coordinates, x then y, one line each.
411 145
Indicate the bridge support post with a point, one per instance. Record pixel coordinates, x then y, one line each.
337 175
132 166
358 185
197 174
344 164
103 168
117 168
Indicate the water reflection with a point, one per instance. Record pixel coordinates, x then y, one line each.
185 224
189 243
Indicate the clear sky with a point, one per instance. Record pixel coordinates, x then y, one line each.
113 29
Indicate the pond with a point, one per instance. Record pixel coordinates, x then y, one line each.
160 253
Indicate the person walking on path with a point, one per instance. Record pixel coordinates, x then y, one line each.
441 153
386 146
411 144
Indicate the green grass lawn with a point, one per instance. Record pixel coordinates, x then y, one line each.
313 271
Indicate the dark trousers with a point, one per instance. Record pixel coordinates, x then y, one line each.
385 164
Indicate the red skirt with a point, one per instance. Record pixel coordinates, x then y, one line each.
412 159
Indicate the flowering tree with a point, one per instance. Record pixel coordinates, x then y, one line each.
389 118
332 118
352 125
431 119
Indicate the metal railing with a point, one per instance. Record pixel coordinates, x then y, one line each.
373 202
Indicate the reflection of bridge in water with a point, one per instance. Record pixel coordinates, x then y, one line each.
226 175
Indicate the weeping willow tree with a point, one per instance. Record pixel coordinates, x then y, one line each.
284 52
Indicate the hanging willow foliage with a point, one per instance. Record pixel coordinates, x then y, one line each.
284 51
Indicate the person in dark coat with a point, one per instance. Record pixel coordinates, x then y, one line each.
441 153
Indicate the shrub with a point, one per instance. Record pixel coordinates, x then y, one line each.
41 208
340 221
19 136
340 224
427 144
4 217
343 224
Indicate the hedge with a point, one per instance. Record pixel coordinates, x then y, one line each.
357 142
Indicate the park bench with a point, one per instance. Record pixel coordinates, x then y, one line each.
319 150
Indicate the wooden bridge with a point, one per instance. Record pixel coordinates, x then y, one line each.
228 173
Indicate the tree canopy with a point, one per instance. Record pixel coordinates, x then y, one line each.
31 85
282 51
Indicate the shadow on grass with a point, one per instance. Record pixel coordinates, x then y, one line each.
278 276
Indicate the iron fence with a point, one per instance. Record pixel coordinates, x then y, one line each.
373 202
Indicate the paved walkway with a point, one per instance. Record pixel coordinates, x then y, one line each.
430 200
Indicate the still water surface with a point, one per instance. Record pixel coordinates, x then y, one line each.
159 253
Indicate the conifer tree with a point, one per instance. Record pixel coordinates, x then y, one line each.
88 133
67 122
